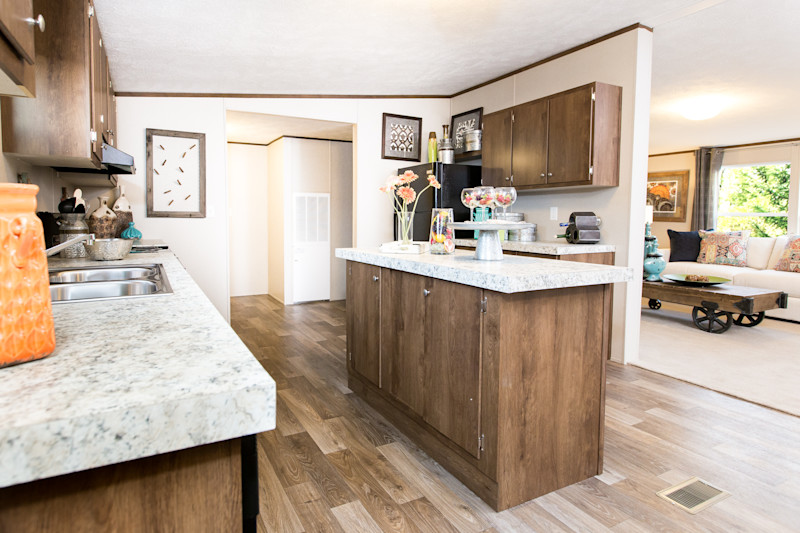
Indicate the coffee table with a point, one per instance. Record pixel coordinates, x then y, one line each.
714 306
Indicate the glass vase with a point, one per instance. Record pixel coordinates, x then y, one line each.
405 227
441 238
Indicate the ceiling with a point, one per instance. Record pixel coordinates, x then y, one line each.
257 128
744 50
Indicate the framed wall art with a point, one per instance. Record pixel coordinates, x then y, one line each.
462 123
176 174
667 193
401 137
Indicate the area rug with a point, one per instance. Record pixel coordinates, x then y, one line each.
759 364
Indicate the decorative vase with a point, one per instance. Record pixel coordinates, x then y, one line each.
26 331
654 263
433 154
131 233
103 221
442 242
70 225
122 208
405 227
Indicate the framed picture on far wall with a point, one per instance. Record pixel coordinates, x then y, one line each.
401 137
461 124
667 193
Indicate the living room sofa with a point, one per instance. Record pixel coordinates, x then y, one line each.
763 254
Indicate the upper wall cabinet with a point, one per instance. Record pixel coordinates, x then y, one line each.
568 139
73 112
17 25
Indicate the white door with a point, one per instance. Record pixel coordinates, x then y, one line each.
311 247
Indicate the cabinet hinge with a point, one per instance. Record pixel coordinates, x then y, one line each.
591 171
593 96
480 441
483 305
512 116
350 356
91 10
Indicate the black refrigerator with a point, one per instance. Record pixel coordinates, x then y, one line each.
453 178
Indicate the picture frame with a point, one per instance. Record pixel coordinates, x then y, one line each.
462 123
401 138
667 193
176 174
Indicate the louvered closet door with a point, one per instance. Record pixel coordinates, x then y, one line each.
311 276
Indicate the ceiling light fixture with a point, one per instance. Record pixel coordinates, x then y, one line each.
701 107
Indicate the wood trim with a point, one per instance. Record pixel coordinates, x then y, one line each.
145 94
304 138
762 143
673 153
557 56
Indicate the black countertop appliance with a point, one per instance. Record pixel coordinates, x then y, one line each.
453 178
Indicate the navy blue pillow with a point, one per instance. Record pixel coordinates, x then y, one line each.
683 245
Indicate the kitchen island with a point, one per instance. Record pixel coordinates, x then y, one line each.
496 369
141 419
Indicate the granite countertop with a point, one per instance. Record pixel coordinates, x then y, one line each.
130 379
549 248
512 274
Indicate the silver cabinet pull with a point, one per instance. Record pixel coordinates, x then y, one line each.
425 292
549 173
38 22
541 175
508 178
375 278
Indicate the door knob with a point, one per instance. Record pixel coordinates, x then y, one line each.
38 22
425 292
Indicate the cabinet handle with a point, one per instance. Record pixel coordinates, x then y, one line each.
508 178
541 175
425 292
38 22
549 174
375 278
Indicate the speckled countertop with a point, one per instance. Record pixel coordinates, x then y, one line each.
512 274
130 379
549 248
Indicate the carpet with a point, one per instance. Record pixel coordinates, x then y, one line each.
759 364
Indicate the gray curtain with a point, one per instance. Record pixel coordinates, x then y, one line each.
708 161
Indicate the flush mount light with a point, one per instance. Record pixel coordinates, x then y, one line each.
701 107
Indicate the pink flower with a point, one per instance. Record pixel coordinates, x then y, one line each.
407 177
433 181
406 193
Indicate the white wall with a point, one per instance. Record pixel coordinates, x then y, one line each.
664 163
200 243
625 61
341 165
247 219
275 219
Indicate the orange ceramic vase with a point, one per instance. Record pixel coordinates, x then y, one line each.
26 323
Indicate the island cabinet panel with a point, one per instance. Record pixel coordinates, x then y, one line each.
363 319
496 154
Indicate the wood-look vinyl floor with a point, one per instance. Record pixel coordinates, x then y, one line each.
334 464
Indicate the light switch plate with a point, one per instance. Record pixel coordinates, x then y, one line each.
553 213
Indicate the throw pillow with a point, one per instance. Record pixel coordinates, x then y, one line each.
683 245
790 260
723 248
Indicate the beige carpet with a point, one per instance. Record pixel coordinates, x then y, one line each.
759 364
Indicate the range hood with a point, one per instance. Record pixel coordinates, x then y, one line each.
114 162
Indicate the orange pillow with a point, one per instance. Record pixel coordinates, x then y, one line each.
723 247
790 260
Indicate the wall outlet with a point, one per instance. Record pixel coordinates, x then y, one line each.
553 213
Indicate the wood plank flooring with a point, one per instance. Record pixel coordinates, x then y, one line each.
334 464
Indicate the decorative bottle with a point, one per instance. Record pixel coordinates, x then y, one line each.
654 263
103 221
433 152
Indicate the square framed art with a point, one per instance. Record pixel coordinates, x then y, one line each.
667 193
401 137
461 124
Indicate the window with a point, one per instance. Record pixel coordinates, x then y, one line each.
755 198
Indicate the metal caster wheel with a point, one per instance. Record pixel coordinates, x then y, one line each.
654 304
711 320
749 321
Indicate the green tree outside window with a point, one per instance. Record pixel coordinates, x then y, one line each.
759 189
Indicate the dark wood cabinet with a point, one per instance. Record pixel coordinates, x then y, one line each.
364 320
564 140
17 49
67 122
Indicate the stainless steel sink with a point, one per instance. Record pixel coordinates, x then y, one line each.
84 284
80 275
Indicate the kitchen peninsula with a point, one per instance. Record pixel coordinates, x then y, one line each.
141 420
496 369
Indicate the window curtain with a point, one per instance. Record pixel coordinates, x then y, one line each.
708 162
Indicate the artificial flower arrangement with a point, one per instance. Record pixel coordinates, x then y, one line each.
403 196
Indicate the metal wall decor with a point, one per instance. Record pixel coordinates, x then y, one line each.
401 137
462 123
667 193
176 174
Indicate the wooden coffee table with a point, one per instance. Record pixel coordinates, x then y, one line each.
715 305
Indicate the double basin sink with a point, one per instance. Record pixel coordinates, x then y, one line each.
95 283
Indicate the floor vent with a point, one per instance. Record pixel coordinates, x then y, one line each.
693 495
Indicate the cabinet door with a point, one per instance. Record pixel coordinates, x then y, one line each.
111 110
453 321
364 319
569 139
403 318
496 152
529 144
15 28
97 87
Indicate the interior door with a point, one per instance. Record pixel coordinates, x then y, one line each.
570 134
529 143
453 362
311 248
496 151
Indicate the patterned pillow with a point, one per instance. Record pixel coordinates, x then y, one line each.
790 260
723 247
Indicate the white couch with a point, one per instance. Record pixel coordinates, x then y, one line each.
762 256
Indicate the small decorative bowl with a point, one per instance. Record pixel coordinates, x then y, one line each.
108 249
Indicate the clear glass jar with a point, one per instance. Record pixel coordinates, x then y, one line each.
442 241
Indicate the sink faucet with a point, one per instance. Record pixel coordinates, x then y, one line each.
89 238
